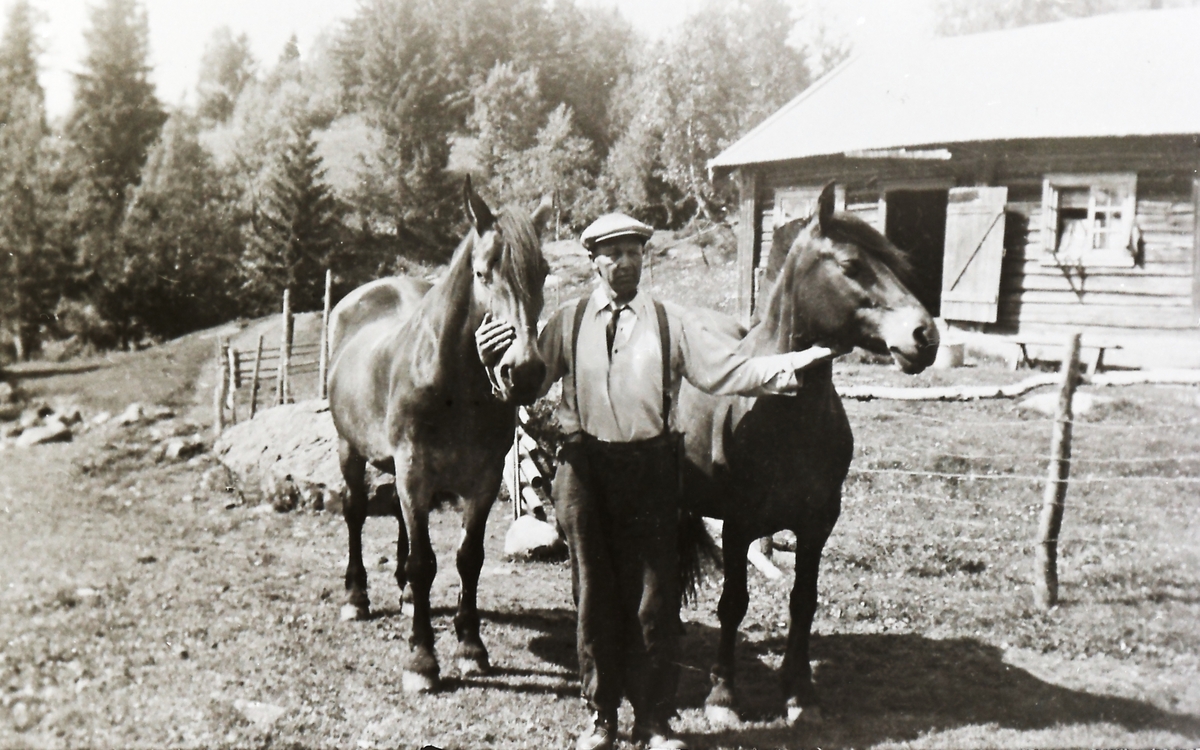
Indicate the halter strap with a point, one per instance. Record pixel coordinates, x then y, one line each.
664 340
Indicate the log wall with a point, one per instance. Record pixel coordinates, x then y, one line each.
1159 293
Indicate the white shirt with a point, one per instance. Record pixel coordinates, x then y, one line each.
621 400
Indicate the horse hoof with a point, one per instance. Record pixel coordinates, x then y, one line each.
352 612
804 715
721 716
406 609
414 682
472 666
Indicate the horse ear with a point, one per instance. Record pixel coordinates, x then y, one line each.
481 215
825 205
542 213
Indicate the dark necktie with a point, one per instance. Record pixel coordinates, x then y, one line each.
611 331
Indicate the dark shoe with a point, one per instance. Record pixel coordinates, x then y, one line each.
599 736
658 738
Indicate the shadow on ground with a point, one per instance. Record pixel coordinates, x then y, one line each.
873 688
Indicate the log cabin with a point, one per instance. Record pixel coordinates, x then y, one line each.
1042 179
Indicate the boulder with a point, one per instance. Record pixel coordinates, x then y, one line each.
132 415
287 456
182 449
69 415
53 431
530 538
262 715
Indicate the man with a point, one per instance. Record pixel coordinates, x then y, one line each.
621 355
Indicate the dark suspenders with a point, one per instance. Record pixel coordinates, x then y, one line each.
664 339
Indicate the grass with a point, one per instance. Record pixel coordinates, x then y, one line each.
143 606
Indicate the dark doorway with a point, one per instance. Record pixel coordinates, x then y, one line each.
916 223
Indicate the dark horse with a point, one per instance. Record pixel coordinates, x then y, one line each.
778 462
408 393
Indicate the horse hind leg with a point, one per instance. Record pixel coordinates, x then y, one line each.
720 708
358 603
471 656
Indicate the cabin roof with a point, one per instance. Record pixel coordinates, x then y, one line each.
1121 74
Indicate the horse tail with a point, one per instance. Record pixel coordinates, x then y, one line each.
699 554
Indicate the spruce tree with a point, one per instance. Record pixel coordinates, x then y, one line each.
297 226
27 286
117 116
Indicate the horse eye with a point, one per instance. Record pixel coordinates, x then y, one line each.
851 267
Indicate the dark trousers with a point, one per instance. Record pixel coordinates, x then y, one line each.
618 504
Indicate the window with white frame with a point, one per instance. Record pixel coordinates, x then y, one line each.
1088 219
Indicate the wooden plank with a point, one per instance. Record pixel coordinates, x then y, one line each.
1145 285
973 253
1098 299
748 242
1035 267
1139 316
1196 247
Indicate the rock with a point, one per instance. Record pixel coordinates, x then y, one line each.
158 413
70 415
30 418
8 394
1047 403
9 412
529 537
181 450
132 414
287 457
11 430
51 432
262 715
102 417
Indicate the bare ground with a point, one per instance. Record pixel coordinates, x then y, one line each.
142 605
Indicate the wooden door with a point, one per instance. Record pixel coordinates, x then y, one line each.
973 255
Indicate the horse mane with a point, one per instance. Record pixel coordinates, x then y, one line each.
521 261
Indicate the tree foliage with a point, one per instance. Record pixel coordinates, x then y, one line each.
296 228
27 289
969 16
225 70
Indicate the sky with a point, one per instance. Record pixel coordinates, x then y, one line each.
179 30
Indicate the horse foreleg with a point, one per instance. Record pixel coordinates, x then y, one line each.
358 604
420 673
721 705
798 686
471 656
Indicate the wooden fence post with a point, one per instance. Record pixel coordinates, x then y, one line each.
1050 523
219 390
254 378
235 382
323 366
281 384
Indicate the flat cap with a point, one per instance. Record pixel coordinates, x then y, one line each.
611 226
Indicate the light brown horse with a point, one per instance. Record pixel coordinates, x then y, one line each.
778 462
409 393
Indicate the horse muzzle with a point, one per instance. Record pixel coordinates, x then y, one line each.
912 339
520 382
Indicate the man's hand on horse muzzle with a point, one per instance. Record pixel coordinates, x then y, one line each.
492 339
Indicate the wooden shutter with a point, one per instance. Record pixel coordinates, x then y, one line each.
973 254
